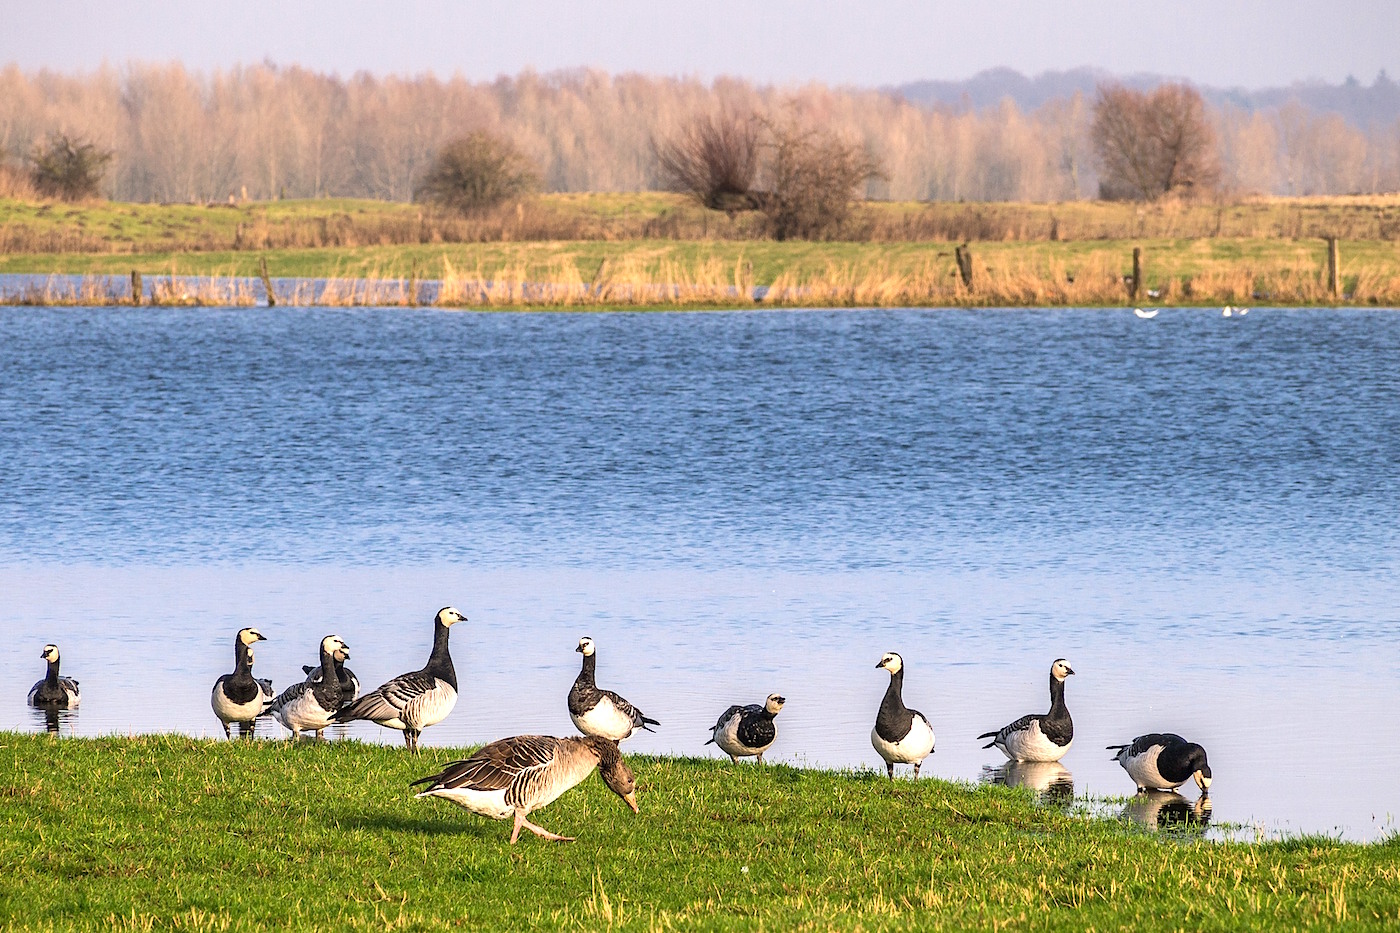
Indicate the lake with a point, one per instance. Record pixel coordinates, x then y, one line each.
1198 512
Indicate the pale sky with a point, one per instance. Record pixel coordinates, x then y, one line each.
1249 43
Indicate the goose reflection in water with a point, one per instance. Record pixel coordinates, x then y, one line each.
1166 809
54 718
1050 781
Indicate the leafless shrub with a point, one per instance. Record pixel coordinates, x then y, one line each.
68 168
1153 143
813 177
475 173
714 159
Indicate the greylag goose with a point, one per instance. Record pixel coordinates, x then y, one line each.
524 773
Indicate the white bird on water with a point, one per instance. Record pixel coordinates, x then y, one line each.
1146 315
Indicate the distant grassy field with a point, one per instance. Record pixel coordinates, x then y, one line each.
167 832
1262 251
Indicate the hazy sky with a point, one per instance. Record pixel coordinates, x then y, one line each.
1248 43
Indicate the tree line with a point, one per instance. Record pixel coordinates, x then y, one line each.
264 131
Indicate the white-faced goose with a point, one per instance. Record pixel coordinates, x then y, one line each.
601 712
54 692
310 706
349 683
518 775
901 735
1164 761
1039 736
414 701
743 731
240 697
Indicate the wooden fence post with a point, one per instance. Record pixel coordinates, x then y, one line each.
137 291
1136 284
1334 262
963 256
267 282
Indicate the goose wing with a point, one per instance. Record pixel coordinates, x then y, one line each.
286 696
496 766
390 700
630 711
1000 735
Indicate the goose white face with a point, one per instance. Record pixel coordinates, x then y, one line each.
50 653
585 646
250 635
449 616
336 648
1061 669
774 703
891 662
1202 781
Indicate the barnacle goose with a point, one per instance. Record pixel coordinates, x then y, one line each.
601 712
239 697
901 735
1039 736
311 705
349 683
524 773
1163 761
747 730
54 691
414 701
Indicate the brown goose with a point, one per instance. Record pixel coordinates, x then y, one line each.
525 773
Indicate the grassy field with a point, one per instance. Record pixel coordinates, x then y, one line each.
614 250
166 832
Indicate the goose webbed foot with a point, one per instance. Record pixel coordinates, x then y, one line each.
540 831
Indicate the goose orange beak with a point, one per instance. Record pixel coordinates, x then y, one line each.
632 801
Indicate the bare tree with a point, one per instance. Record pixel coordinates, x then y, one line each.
813 176
714 159
1150 144
475 173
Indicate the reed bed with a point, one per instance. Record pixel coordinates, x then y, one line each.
651 278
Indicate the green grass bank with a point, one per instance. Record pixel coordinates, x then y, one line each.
175 833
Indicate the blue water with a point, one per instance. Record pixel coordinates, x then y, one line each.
1198 512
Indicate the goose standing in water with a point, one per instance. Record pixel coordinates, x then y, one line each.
747 730
601 712
519 775
1039 736
1164 761
349 683
239 697
414 701
54 692
901 735
310 706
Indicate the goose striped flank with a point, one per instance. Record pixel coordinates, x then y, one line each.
901 735
1039 736
310 706
744 731
524 773
349 683
1163 761
414 701
240 697
54 692
602 712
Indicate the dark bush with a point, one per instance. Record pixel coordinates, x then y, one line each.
68 168
714 159
813 176
476 173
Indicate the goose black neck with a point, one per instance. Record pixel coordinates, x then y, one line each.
590 664
440 661
51 678
1058 710
894 693
242 662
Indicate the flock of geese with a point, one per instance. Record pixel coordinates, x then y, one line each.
513 777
